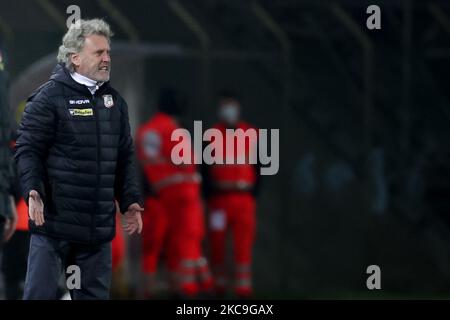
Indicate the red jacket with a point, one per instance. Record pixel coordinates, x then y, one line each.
154 148
234 177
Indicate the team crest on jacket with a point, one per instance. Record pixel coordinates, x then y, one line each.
108 100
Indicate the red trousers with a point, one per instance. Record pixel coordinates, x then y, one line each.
155 237
235 213
118 245
174 221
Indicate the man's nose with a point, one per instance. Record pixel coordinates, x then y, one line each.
106 57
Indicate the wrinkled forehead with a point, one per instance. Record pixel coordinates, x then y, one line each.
95 42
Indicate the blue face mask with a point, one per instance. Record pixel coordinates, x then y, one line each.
229 114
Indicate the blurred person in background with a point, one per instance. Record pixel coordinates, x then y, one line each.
155 236
174 214
75 155
231 191
8 215
15 251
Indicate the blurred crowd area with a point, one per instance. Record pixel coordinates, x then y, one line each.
363 116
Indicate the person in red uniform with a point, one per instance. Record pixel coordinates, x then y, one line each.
174 212
230 190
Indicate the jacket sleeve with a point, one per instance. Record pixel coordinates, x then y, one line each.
126 187
35 136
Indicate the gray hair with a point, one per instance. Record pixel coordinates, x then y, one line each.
73 40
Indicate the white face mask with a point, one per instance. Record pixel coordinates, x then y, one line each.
229 114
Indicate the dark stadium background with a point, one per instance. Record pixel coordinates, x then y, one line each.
363 116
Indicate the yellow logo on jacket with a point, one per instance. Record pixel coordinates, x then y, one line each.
81 112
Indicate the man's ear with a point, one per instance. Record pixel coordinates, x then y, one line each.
75 59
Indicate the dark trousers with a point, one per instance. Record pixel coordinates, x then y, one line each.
14 264
49 258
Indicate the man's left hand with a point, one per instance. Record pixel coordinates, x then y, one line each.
133 219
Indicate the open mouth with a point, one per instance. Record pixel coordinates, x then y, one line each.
104 68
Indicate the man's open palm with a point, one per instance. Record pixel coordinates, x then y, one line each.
36 208
133 219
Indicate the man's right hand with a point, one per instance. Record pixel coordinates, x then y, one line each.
36 208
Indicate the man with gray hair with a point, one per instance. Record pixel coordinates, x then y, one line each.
75 157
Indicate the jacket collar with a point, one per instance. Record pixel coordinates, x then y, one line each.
61 74
85 80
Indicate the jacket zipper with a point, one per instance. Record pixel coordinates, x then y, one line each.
98 169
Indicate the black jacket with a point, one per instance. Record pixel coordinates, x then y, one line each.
79 155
